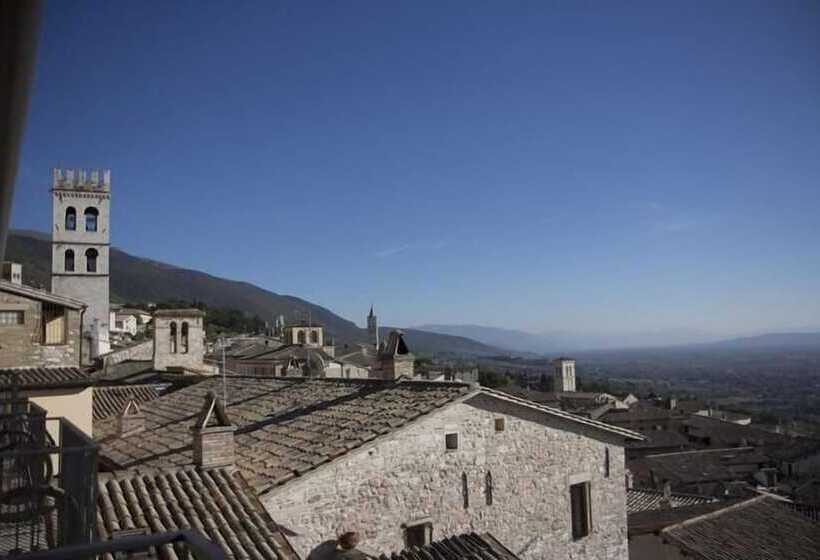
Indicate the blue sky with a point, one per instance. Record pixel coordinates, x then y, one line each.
587 166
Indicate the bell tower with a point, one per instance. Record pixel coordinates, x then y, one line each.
373 327
81 206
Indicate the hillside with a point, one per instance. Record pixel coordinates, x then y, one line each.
135 279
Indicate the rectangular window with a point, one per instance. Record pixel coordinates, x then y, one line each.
418 534
11 318
581 515
499 424
451 442
53 324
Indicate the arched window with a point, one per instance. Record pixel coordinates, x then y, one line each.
69 260
465 490
91 260
301 337
70 219
91 215
488 488
184 338
314 337
173 337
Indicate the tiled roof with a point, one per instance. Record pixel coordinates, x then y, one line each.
644 499
285 426
217 503
756 529
109 401
469 546
703 465
661 439
40 295
728 433
654 520
44 377
638 413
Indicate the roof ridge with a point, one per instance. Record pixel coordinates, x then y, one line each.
716 513
693 451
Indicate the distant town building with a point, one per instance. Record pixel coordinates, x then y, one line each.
179 340
12 272
81 207
564 374
373 327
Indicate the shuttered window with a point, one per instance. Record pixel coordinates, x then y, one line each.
581 518
8 318
53 324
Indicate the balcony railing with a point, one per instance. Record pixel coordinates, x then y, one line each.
48 480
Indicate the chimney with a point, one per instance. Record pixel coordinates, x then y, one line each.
666 501
12 272
213 436
131 420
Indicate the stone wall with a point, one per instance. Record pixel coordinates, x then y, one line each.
409 476
138 352
21 345
165 358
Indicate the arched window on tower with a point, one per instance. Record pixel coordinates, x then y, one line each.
184 338
301 337
91 260
69 260
173 337
314 337
70 219
91 215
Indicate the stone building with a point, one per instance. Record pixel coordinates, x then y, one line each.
564 374
308 335
12 272
38 328
81 206
403 462
179 340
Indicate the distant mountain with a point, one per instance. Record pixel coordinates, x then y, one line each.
772 341
140 280
562 341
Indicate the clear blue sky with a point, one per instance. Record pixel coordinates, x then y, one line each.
600 166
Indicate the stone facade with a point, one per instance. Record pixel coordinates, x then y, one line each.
305 335
214 446
411 477
76 193
179 340
23 345
564 375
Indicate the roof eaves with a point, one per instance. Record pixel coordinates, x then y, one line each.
42 295
628 434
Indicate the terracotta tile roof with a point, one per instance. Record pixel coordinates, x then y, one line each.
217 503
44 377
110 401
285 426
469 546
644 499
756 529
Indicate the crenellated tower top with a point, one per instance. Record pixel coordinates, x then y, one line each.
81 179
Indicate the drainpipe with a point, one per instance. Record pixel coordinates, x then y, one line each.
82 318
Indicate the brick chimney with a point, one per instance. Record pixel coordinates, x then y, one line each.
213 436
131 420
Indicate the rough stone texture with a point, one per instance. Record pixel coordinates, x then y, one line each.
21 345
409 476
164 356
214 447
138 352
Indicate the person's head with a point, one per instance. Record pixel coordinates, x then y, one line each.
349 540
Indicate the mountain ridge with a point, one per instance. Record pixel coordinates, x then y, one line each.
144 280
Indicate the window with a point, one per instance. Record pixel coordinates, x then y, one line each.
300 337
53 324
488 488
119 325
581 517
11 318
184 338
418 534
69 260
91 215
606 462
499 424
91 260
314 337
451 441
70 219
173 337
465 490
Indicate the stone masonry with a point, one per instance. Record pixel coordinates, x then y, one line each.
22 345
409 476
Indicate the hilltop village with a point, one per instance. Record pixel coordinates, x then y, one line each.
144 438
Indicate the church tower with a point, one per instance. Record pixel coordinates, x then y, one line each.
563 379
81 203
373 327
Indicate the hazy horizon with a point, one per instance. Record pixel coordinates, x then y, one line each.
599 169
